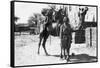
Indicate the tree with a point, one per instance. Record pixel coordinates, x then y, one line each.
31 21
34 20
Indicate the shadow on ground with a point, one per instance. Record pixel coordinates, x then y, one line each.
80 58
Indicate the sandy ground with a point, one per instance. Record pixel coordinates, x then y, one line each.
26 47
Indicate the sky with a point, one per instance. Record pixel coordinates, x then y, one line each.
24 10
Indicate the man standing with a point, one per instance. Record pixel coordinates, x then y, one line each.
66 38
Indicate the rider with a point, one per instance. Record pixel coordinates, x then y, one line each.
49 17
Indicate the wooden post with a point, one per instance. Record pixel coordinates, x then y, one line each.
50 40
90 36
91 32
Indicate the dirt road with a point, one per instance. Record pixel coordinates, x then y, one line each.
26 47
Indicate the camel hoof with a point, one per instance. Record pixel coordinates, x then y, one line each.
38 53
47 54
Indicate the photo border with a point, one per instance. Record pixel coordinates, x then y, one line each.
12 51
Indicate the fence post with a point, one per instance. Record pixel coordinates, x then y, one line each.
90 36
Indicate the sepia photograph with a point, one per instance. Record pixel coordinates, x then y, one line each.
53 33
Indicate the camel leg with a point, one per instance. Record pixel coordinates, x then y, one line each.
44 42
39 44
